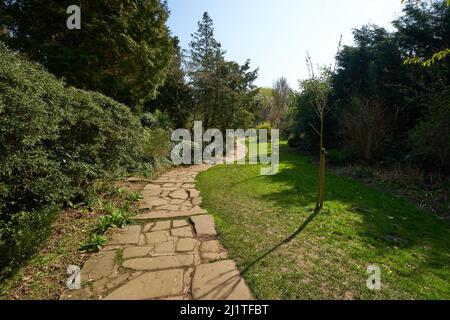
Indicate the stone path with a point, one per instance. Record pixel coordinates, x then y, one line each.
172 252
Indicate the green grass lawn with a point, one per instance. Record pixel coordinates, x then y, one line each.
287 252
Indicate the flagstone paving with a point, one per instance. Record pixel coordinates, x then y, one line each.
171 253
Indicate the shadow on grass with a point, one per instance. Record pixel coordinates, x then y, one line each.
285 241
384 222
358 226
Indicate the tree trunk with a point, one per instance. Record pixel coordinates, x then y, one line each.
321 193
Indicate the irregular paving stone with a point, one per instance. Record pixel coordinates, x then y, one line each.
194 193
144 206
152 187
211 256
219 281
134 252
173 208
176 201
166 215
147 227
127 235
179 194
197 210
98 266
161 225
117 281
188 274
179 223
197 201
151 193
185 208
151 285
188 186
164 248
157 237
213 251
83 294
165 193
99 287
185 232
186 245
142 240
159 263
177 298
211 246
158 202
204 225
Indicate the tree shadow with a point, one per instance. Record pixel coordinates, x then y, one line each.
284 242
386 223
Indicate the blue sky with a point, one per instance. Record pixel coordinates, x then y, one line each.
276 34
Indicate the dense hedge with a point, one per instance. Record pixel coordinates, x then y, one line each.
55 142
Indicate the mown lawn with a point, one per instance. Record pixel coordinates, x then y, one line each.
328 254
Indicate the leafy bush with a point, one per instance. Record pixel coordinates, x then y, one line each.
156 120
431 137
55 142
266 126
156 144
94 243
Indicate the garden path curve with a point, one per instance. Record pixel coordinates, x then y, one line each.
172 252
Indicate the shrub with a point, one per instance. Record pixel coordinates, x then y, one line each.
157 145
266 126
55 142
156 120
365 128
431 138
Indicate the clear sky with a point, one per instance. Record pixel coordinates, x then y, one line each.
276 34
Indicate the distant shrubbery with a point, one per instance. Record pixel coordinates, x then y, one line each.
55 142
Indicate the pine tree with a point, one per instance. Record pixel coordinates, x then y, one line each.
123 49
205 58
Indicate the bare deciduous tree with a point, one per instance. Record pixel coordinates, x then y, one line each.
281 93
320 85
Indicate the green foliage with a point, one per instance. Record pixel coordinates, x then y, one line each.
156 120
117 218
392 97
265 126
359 224
123 49
56 143
431 137
94 243
175 97
157 144
20 234
223 90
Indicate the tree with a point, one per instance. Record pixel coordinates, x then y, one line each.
175 96
281 93
205 56
223 90
434 7
122 50
320 86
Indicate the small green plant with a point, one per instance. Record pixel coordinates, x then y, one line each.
134 197
117 219
94 243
